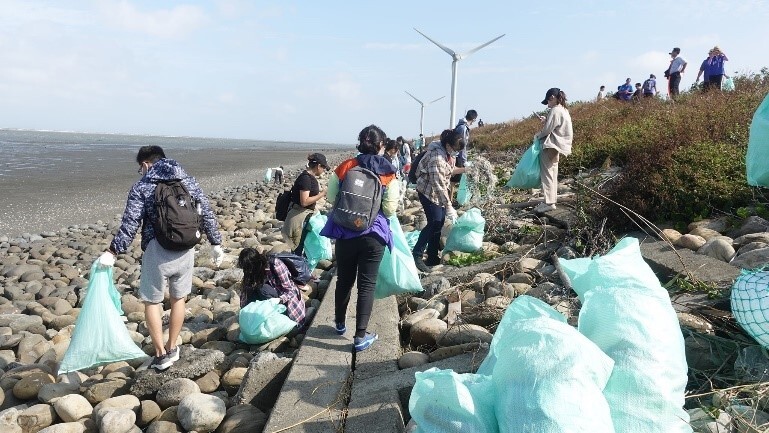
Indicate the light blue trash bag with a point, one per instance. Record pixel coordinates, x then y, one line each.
443 401
263 321
467 233
397 271
750 304
728 85
100 335
411 238
463 192
317 247
526 174
548 378
268 175
628 314
757 156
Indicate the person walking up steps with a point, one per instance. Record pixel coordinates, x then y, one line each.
168 264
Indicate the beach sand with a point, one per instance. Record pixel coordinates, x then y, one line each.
40 201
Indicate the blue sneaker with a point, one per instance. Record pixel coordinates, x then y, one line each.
364 343
340 328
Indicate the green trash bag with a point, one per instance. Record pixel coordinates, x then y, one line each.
757 156
100 336
263 321
463 192
750 304
549 378
727 85
526 174
317 247
411 238
268 175
523 307
397 271
628 314
443 401
467 233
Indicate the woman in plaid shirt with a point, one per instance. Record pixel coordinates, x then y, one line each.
268 277
433 174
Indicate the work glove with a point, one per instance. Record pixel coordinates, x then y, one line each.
451 214
217 255
106 260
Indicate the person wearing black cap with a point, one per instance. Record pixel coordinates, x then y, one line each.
304 194
556 137
677 67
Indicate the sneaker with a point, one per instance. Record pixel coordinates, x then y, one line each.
421 265
163 362
340 328
364 343
544 207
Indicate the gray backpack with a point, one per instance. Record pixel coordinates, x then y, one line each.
359 199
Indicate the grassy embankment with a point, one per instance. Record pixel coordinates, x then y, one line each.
680 161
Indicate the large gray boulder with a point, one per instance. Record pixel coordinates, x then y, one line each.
201 412
193 363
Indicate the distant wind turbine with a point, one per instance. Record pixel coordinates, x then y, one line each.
456 58
422 111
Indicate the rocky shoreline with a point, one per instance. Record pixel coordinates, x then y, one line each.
43 278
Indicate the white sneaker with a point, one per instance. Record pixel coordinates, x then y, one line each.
544 207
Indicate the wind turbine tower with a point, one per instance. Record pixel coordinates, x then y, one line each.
456 58
422 111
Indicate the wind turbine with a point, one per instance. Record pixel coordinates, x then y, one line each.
422 111
456 58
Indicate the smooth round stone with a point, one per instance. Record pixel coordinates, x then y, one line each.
412 359
72 407
28 387
173 391
201 412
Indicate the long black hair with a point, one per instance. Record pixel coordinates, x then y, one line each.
254 265
370 140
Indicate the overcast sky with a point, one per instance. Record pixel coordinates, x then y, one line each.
319 71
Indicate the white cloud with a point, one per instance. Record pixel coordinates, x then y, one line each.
176 22
345 89
650 60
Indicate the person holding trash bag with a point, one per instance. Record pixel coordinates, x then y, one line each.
433 177
268 277
556 136
157 202
359 250
304 194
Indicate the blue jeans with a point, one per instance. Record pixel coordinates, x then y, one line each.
430 236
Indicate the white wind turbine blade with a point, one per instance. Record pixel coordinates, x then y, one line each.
436 100
467 54
444 48
415 98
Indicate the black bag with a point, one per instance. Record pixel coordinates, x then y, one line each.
297 265
177 223
282 204
359 199
414 171
667 73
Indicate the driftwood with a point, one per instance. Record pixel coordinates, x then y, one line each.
533 202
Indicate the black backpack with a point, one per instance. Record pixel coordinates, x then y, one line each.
177 221
297 266
282 204
414 171
359 199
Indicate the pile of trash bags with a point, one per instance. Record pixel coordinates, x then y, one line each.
622 370
466 234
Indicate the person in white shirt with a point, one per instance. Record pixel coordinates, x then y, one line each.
601 94
278 175
677 67
556 137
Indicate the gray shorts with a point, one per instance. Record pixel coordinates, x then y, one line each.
159 264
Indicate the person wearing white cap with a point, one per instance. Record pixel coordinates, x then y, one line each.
556 137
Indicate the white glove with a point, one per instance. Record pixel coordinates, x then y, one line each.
451 214
217 255
106 260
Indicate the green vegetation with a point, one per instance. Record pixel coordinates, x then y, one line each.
680 161
468 259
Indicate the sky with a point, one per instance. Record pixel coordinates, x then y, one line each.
320 71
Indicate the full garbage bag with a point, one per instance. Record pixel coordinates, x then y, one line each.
750 304
411 238
397 271
727 85
317 247
463 192
526 174
466 234
263 321
100 335
757 156
443 401
268 175
628 314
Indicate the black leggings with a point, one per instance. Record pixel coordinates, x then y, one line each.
357 257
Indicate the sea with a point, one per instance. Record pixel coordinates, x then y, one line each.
50 180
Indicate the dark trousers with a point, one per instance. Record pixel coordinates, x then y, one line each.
357 257
279 177
430 236
714 82
675 81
